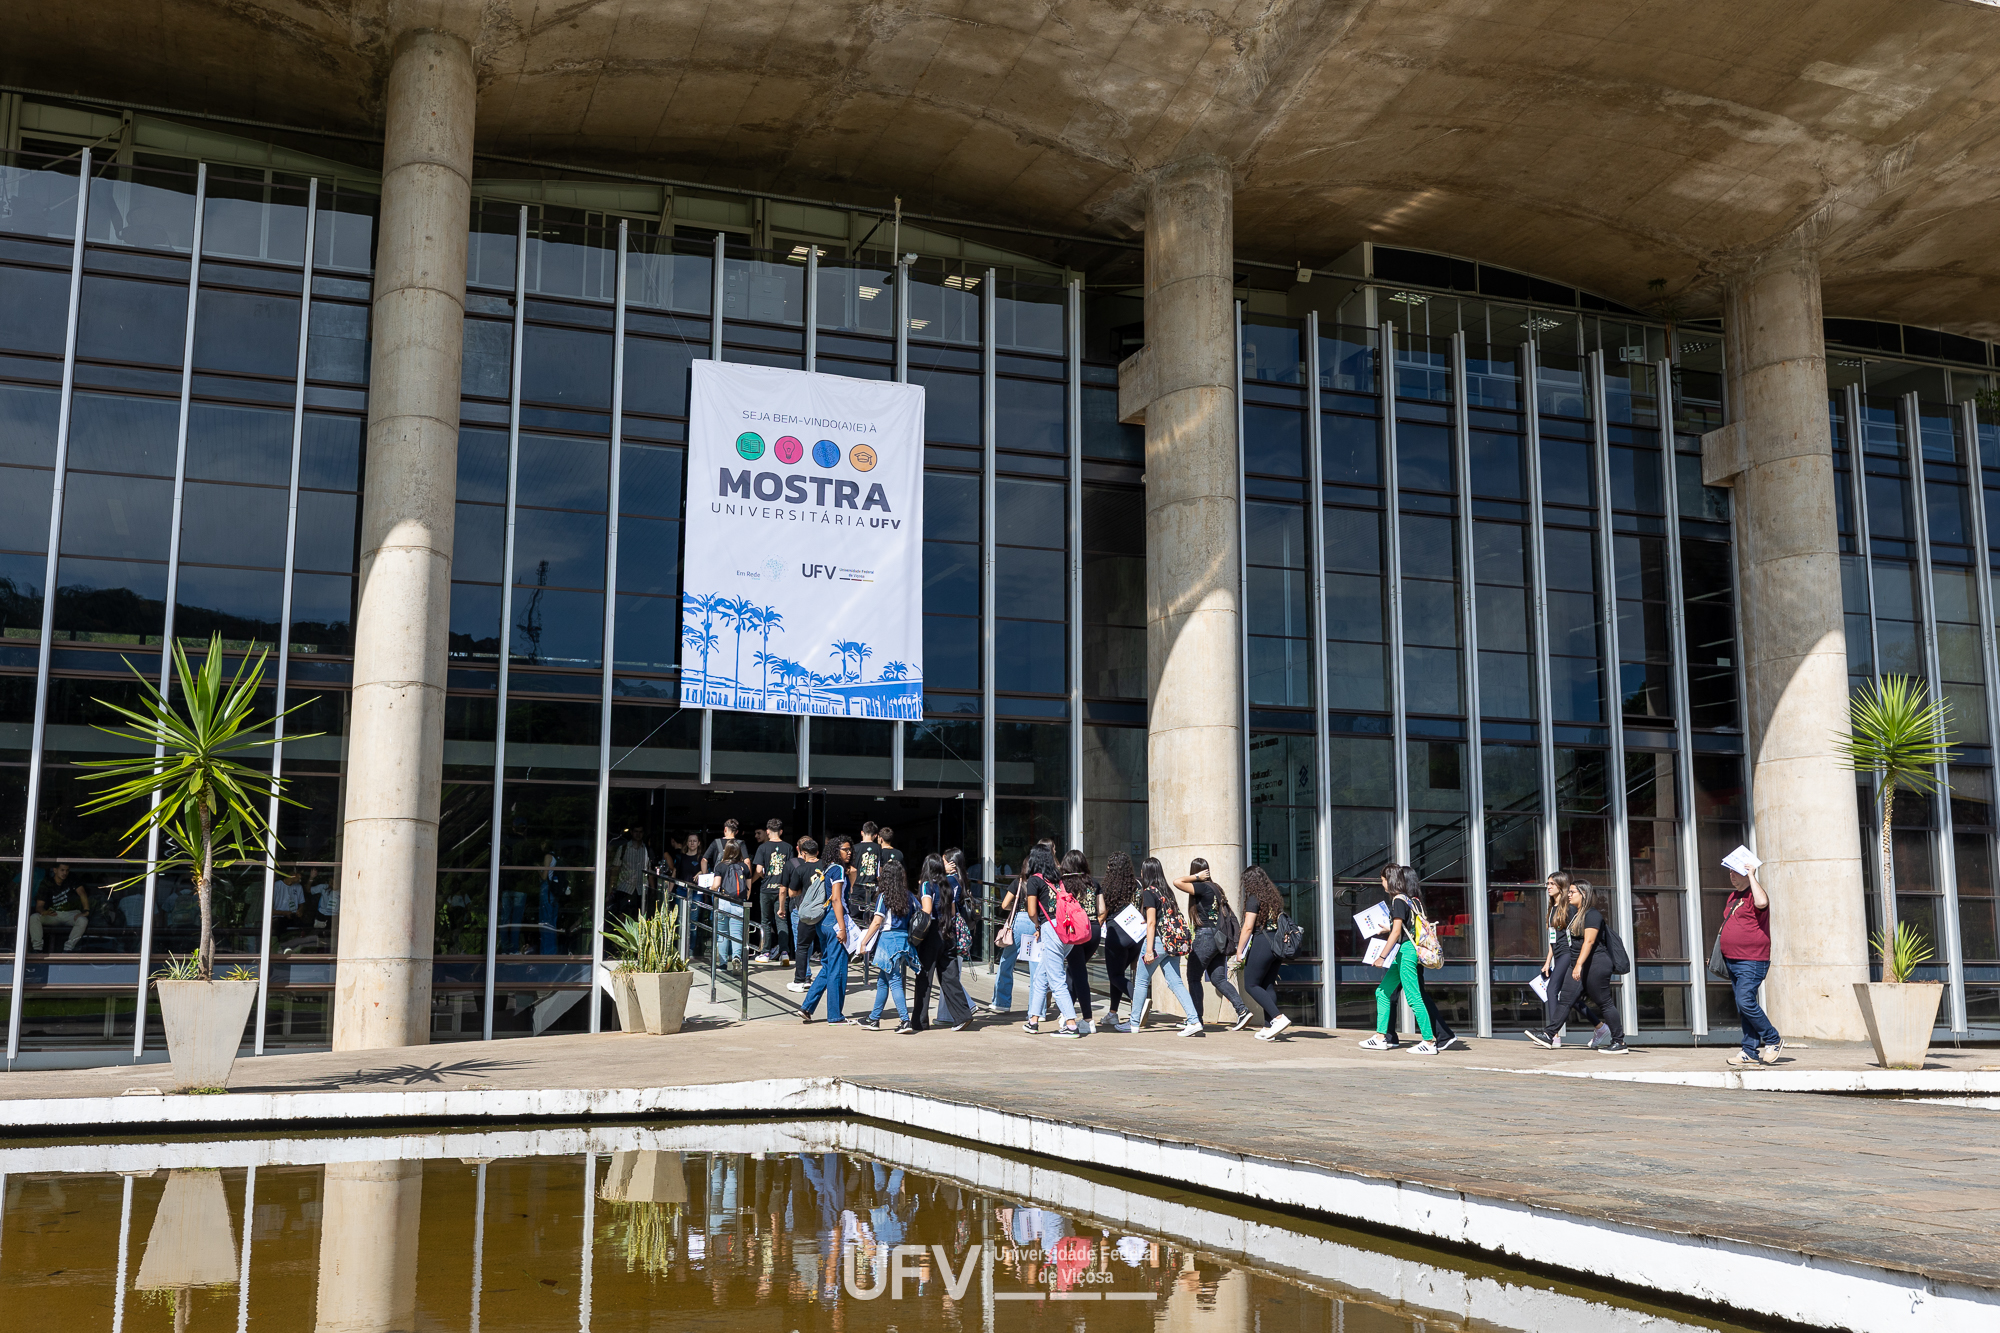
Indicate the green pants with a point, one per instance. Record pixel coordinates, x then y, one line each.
1401 974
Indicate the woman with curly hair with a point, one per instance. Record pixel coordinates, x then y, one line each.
1261 905
890 934
1120 885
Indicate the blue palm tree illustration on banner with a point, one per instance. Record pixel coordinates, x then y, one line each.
895 671
704 605
770 621
739 614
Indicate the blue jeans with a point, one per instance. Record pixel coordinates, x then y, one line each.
832 978
728 930
1050 976
1168 967
1003 981
892 956
1745 976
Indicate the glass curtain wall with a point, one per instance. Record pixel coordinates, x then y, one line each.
1915 455
1506 600
191 435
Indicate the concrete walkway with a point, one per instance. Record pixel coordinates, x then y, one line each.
1907 1192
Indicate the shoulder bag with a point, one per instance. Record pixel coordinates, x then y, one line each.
1718 966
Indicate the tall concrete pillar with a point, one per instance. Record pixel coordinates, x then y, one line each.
1182 386
369 1218
395 754
1777 454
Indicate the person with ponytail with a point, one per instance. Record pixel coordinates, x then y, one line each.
937 952
1556 964
1048 975
1590 972
1082 886
1401 971
1215 940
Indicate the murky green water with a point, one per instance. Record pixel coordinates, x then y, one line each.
826 1227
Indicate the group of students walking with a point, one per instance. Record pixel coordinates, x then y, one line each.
857 898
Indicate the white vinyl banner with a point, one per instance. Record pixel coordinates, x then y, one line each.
803 584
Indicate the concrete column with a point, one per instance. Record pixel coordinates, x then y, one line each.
395 755
1182 386
1777 453
369 1216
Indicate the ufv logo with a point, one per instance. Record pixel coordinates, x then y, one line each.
816 571
903 1264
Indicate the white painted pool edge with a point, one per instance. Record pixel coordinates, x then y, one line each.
1812 1080
1761 1279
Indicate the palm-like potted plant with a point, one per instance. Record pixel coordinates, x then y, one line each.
208 808
1902 736
651 978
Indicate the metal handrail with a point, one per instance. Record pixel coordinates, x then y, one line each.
696 901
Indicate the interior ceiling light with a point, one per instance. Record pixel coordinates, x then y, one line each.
869 293
1409 298
920 323
961 281
1540 323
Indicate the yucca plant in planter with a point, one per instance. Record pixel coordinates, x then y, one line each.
652 979
1903 737
208 808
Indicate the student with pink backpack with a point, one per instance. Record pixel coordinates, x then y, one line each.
1060 922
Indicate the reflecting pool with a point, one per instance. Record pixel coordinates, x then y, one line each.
812 1227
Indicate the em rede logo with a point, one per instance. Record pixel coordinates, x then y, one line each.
826 453
750 445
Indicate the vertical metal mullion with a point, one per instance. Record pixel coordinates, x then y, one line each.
285 626
148 894
1393 540
714 354
45 647
506 625
804 750
902 307
1863 544
1614 695
1545 728
989 435
1682 675
1982 578
1073 410
1475 769
812 311
1941 837
1322 737
612 500
1242 596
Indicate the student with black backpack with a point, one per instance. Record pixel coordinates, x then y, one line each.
937 951
1599 956
1259 949
823 911
1215 932
1166 940
804 872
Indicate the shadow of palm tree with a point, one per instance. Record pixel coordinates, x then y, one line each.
407 1075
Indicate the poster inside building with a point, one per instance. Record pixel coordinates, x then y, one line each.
803 582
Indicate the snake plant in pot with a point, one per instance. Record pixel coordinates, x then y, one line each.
207 808
1903 737
651 979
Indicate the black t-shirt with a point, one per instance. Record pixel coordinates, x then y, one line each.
1592 920
867 863
686 867
1401 910
62 897
773 856
1154 900
1206 900
714 855
799 874
1036 897
734 881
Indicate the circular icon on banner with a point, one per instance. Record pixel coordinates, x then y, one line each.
826 453
789 450
862 457
750 445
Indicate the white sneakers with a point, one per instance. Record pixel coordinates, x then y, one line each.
1191 1028
797 987
1378 1042
1601 1036
1275 1028
1424 1048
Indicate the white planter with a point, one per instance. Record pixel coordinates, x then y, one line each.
204 1022
630 1019
645 1176
663 998
1900 1016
